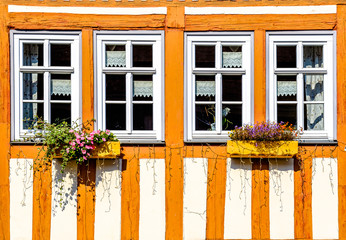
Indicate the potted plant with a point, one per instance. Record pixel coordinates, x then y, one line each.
263 140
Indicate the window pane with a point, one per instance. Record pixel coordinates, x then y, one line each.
205 117
231 56
31 111
205 88
115 56
60 55
116 116
313 56
32 86
286 88
313 88
142 117
115 87
142 87
60 112
286 56
314 117
32 54
205 56
287 113
231 116
60 88
231 88
142 55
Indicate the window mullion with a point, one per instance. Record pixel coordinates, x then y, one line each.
218 105
129 106
47 87
300 100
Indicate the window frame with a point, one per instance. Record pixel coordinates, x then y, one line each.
17 39
300 39
154 38
219 39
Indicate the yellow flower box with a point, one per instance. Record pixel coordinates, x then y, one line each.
262 149
106 150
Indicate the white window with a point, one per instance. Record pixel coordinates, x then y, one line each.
218 84
129 80
301 82
45 78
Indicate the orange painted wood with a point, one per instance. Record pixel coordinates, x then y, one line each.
267 22
216 192
51 21
341 123
4 125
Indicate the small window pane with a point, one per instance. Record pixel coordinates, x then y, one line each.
60 55
287 113
314 117
313 56
31 112
116 116
142 87
115 87
32 54
231 88
205 88
142 117
115 56
205 117
231 116
286 57
205 56
313 88
142 55
32 86
60 112
287 88
231 56
60 88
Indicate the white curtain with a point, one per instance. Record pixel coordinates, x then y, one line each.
314 92
142 88
61 87
233 58
205 88
115 59
287 88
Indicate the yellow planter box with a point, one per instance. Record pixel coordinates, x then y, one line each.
262 149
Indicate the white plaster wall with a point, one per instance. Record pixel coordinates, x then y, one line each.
281 198
21 198
195 198
152 217
64 202
237 224
325 198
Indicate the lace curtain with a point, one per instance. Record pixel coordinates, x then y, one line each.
287 88
61 87
233 58
205 88
314 92
115 59
142 88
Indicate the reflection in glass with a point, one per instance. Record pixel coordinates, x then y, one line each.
205 88
205 117
142 55
231 56
32 54
116 116
60 112
115 56
142 87
60 88
60 54
313 56
231 116
287 113
115 87
31 112
286 88
286 56
205 56
231 88
313 88
32 86
314 117
142 116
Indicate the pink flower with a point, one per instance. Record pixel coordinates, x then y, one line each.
72 143
71 131
84 152
67 150
84 157
103 139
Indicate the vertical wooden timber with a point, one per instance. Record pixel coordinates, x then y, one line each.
86 172
174 118
341 115
5 124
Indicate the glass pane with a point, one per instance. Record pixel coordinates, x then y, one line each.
142 116
313 56
287 113
205 88
231 56
32 54
60 112
231 116
115 56
31 112
116 116
205 117
60 88
314 117
142 87
60 55
205 56
142 55
32 86
115 87
286 88
231 88
286 56
313 88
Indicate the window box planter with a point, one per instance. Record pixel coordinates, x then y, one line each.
262 149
